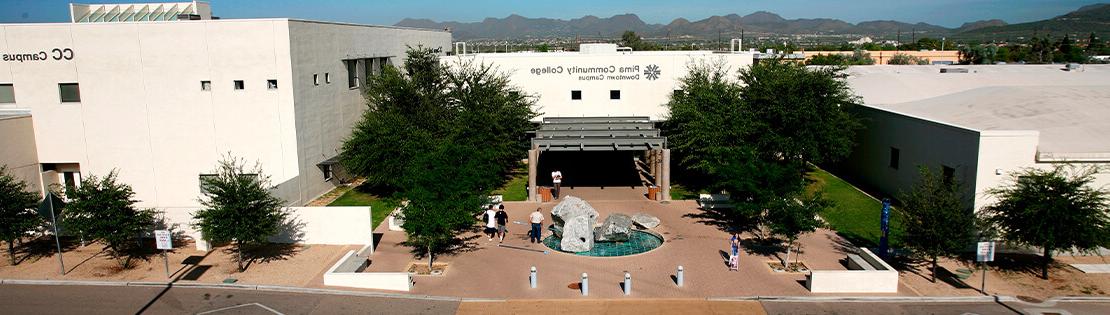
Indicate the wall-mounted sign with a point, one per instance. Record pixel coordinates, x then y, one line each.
602 73
53 54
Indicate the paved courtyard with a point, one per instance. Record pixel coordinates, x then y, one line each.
490 271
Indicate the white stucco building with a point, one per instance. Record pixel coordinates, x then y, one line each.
601 79
162 101
978 124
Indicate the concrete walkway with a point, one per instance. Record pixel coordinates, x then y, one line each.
631 307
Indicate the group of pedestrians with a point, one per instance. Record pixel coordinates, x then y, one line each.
496 224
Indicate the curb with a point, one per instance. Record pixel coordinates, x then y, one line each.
870 299
251 287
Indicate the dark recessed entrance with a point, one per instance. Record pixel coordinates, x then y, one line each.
599 152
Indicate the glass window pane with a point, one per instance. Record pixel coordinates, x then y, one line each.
70 92
7 93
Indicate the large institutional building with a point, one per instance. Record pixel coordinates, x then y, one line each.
978 124
161 92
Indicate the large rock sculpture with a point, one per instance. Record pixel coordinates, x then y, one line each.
645 220
615 228
574 218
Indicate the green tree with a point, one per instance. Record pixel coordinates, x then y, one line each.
904 59
791 218
103 209
978 54
1052 209
16 214
754 137
632 40
443 136
858 57
1095 45
238 206
937 220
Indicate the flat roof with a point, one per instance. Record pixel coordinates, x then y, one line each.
222 20
1070 119
887 84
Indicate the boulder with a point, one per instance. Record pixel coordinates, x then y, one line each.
616 228
571 207
557 230
578 234
645 220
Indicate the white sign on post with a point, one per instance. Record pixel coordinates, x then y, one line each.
985 252
164 239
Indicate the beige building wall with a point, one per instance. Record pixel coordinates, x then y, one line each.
17 150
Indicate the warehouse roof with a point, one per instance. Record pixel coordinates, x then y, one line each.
887 84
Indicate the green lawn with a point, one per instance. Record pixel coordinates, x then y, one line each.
379 207
854 214
516 189
678 192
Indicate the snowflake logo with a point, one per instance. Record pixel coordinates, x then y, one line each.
651 72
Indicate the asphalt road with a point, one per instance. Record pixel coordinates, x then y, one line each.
51 299
892 308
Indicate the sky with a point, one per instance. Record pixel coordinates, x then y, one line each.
949 13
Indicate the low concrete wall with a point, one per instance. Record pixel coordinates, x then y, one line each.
345 274
884 279
327 225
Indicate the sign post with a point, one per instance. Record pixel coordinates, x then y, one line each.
984 253
884 223
164 241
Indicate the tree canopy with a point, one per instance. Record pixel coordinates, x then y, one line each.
1052 209
443 136
103 209
938 222
238 206
16 214
755 134
632 40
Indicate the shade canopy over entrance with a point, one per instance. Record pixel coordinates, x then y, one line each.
566 135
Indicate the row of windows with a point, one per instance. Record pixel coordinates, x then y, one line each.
67 93
238 85
577 95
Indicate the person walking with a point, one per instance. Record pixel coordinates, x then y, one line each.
491 222
557 180
502 219
537 226
734 259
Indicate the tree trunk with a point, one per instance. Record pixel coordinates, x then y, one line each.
786 261
431 258
239 251
1047 261
11 252
934 280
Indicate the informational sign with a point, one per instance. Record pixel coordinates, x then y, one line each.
164 239
632 72
984 252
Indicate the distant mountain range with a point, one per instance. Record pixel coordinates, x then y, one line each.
1092 18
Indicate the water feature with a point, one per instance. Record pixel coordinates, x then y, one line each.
639 241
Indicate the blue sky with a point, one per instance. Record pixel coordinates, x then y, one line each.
949 13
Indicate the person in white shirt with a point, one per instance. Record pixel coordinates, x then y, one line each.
491 222
557 179
537 226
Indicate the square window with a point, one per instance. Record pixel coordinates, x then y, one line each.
7 93
239 85
576 95
315 79
69 92
614 94
327 78
678 92
271 84
894 156
947 173
205 85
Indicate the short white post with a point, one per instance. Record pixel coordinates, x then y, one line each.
532 277
627 283
585 284
679 276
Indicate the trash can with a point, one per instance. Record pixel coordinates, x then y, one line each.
653 192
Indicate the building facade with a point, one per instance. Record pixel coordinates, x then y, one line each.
601 79
161 102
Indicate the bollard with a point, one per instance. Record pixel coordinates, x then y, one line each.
532 277
627 283
679 276
585 284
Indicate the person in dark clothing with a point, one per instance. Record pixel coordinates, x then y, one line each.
502 219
